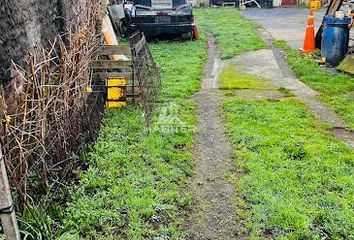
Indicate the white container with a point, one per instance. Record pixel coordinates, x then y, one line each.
276 3
118 11
340 14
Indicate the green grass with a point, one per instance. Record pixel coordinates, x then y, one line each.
297 179
135 185
233 33
336 89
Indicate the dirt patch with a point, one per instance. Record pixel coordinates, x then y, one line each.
344 134
213 188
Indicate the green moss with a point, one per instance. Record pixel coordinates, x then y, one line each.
230 78
286 92
347 65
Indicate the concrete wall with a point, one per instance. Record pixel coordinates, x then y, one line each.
26 23
23 24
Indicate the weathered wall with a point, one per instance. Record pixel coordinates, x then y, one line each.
23 24
73 9
26 23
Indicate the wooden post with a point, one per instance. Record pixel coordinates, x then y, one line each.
7 212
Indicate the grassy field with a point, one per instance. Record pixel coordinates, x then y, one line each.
336 89
135 185
233 33
297 179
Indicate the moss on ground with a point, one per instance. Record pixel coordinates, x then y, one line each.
230 78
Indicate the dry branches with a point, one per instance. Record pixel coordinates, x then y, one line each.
47 113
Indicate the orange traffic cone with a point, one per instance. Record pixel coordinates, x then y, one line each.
195 32
309 42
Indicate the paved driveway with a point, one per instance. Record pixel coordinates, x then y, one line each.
288 24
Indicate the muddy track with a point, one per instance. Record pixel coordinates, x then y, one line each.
214 215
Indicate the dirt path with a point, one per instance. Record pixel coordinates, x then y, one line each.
214 215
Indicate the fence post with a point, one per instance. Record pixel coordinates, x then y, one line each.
7 212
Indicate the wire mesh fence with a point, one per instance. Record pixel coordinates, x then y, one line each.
146 75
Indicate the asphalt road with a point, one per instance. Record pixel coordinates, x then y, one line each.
287 24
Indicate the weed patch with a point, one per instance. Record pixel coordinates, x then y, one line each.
233 33
134 187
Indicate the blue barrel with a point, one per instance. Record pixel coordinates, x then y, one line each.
335 39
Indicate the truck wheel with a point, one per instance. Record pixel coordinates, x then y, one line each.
187 35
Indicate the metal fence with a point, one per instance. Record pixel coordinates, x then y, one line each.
146 80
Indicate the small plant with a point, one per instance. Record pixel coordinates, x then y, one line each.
36 224
295 151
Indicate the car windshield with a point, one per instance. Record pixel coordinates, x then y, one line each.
160 3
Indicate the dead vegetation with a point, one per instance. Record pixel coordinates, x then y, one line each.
48 109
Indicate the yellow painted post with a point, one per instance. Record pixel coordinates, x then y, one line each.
116 92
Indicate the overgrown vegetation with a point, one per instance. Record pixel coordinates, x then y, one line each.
233 33
336 89
297 179
134 187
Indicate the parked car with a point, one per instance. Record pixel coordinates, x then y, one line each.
161 17
224 2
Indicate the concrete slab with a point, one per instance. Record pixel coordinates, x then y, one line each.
287 24
260 63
